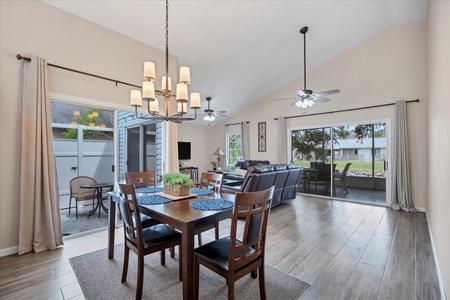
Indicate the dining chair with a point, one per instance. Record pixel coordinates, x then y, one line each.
144 179
232 257
141 179
143 241
80 194
210 180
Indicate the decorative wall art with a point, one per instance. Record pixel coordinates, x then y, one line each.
262 137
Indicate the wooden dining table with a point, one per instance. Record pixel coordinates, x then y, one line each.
182 216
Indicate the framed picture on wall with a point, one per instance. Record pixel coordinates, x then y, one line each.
262 137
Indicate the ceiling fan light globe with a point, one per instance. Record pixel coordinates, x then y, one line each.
311 103
299 103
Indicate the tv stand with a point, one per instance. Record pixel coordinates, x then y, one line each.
191 171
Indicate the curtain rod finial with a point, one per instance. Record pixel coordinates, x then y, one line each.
19 57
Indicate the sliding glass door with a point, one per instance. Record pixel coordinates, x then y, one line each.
343 161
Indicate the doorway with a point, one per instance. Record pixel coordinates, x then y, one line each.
83 139
344 162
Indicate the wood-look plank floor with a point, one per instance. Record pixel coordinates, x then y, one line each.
344 250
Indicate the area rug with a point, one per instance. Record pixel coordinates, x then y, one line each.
99 278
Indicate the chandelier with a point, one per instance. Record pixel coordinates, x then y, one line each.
149 92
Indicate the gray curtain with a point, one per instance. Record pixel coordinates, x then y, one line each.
39 219
401 197
245 134
281 141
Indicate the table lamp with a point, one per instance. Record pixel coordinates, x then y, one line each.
218 152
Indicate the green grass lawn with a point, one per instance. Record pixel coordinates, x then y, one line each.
356 164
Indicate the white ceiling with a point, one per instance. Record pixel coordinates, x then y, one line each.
241 51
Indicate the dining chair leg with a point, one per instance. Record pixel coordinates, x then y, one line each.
217 230
230 288
172 252
163 257
254 274
70 202
199 239
76 208
262 283
140 277
126 255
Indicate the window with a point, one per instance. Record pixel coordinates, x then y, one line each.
234 148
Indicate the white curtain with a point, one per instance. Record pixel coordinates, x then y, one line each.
170 154
401 178
281 141
227 147
39 219
245 135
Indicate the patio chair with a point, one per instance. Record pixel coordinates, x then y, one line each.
79 194
143 241
343 177
324 175
232 257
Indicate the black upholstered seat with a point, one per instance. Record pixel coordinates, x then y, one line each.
233 257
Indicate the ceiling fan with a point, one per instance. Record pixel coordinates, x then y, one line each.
210 115
307 98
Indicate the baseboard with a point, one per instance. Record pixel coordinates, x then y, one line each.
421 209
438 271
9 251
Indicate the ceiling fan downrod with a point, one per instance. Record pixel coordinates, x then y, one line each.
303 31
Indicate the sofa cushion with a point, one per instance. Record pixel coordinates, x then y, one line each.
243 164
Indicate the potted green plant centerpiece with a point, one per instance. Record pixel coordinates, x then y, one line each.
177 184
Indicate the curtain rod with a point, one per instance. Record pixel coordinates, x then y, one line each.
20 57
344 110
235 123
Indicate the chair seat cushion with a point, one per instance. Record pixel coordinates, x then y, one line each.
217 252
147 221
158 235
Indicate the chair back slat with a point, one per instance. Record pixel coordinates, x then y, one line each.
254 207
209 179
141 179
129 209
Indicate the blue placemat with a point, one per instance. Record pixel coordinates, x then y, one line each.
149 190
212 204
152 200
201 191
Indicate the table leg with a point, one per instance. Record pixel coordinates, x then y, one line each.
111 226
188 261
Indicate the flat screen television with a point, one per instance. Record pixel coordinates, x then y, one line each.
184 150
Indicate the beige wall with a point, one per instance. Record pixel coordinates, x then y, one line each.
35 28
203 145
388 67
438 112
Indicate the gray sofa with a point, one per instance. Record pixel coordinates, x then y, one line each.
284 177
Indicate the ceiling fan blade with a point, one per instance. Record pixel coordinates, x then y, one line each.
300 93
296 100
320 99
278 99
330 92
220 111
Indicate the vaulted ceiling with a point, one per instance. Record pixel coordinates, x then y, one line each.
241 51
